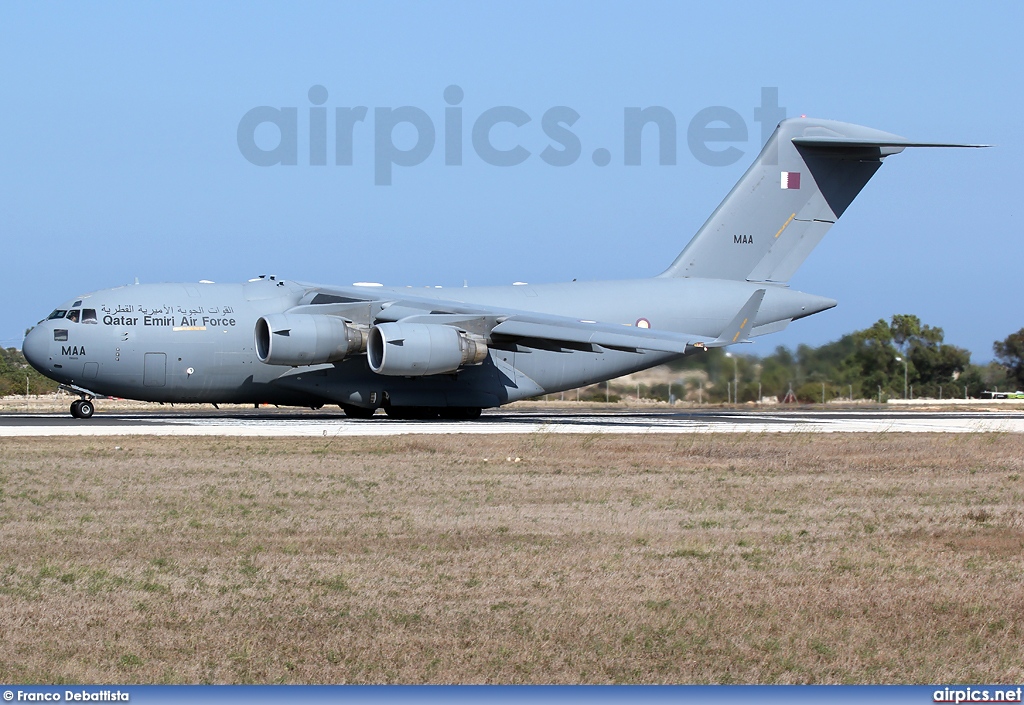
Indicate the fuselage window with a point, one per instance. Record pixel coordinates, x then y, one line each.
89 315
73 315
60 335
57 314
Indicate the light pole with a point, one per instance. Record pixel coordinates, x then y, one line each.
735 379
900 359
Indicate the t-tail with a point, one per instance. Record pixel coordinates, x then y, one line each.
805 178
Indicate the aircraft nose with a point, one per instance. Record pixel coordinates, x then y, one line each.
35 348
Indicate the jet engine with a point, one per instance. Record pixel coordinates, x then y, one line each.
306 339
419 349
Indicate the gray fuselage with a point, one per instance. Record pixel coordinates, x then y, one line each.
195 342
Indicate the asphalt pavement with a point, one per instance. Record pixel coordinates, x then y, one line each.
275 422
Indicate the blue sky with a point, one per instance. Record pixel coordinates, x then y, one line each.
121 156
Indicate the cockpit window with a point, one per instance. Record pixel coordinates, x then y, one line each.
57 314
60 335
89 315
73 315
77 303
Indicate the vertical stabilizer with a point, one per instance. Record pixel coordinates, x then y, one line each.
805 177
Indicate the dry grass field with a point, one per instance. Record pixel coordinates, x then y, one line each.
590 559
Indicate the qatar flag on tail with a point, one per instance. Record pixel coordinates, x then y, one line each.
791 179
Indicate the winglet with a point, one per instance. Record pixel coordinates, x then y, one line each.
738 330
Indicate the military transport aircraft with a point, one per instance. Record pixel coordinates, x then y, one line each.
424 353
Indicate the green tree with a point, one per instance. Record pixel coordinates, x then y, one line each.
932 366
904 328
1010 354
935 364
14 370
778 371
875 360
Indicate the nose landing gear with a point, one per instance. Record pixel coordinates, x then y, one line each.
82 408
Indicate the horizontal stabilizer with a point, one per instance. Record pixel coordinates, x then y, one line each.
855 142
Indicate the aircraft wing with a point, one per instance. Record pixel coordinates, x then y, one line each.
394 306
560 329
609 335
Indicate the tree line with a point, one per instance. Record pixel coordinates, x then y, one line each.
891 359
15 372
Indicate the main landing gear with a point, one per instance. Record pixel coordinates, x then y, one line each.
82 408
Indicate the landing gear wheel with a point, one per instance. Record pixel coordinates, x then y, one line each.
357 412
82 409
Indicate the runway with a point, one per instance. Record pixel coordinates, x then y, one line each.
501 421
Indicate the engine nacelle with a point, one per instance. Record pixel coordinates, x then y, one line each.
306 339
419 349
